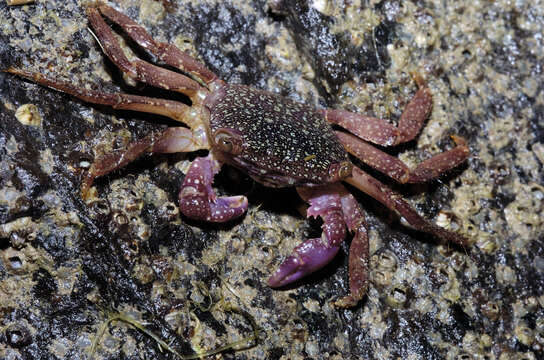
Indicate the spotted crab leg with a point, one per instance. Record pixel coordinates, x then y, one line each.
381 132
170 140
338 209
358 251
172 109
396 169
138 69
197 199
168 53
394 201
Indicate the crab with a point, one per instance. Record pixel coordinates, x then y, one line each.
278 142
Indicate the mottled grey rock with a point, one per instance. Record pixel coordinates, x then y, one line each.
63 263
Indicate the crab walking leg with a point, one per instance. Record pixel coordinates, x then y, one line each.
396 169
197 199
358 251
171 140
394 201
172 109
138 69
381 132
168 53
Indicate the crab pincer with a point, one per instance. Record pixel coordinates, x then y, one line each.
313 254
339 210
197 199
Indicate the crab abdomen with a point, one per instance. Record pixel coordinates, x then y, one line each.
278 141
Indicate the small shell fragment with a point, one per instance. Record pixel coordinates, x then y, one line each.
28 114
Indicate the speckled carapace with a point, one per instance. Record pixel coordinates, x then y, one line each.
277 141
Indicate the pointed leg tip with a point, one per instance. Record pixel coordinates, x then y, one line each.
92 8
356 295
20 72
348 301
88 193
458 140
419 79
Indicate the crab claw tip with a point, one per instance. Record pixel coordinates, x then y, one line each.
308 257
288 272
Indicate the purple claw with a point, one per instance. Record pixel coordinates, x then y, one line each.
308 257
198 201
338 209
227 208
314 254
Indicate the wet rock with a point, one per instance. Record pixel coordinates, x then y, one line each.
65 262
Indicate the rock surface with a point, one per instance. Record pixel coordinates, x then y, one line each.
64 264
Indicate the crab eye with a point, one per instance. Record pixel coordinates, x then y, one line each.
224 143
345 169
227 141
